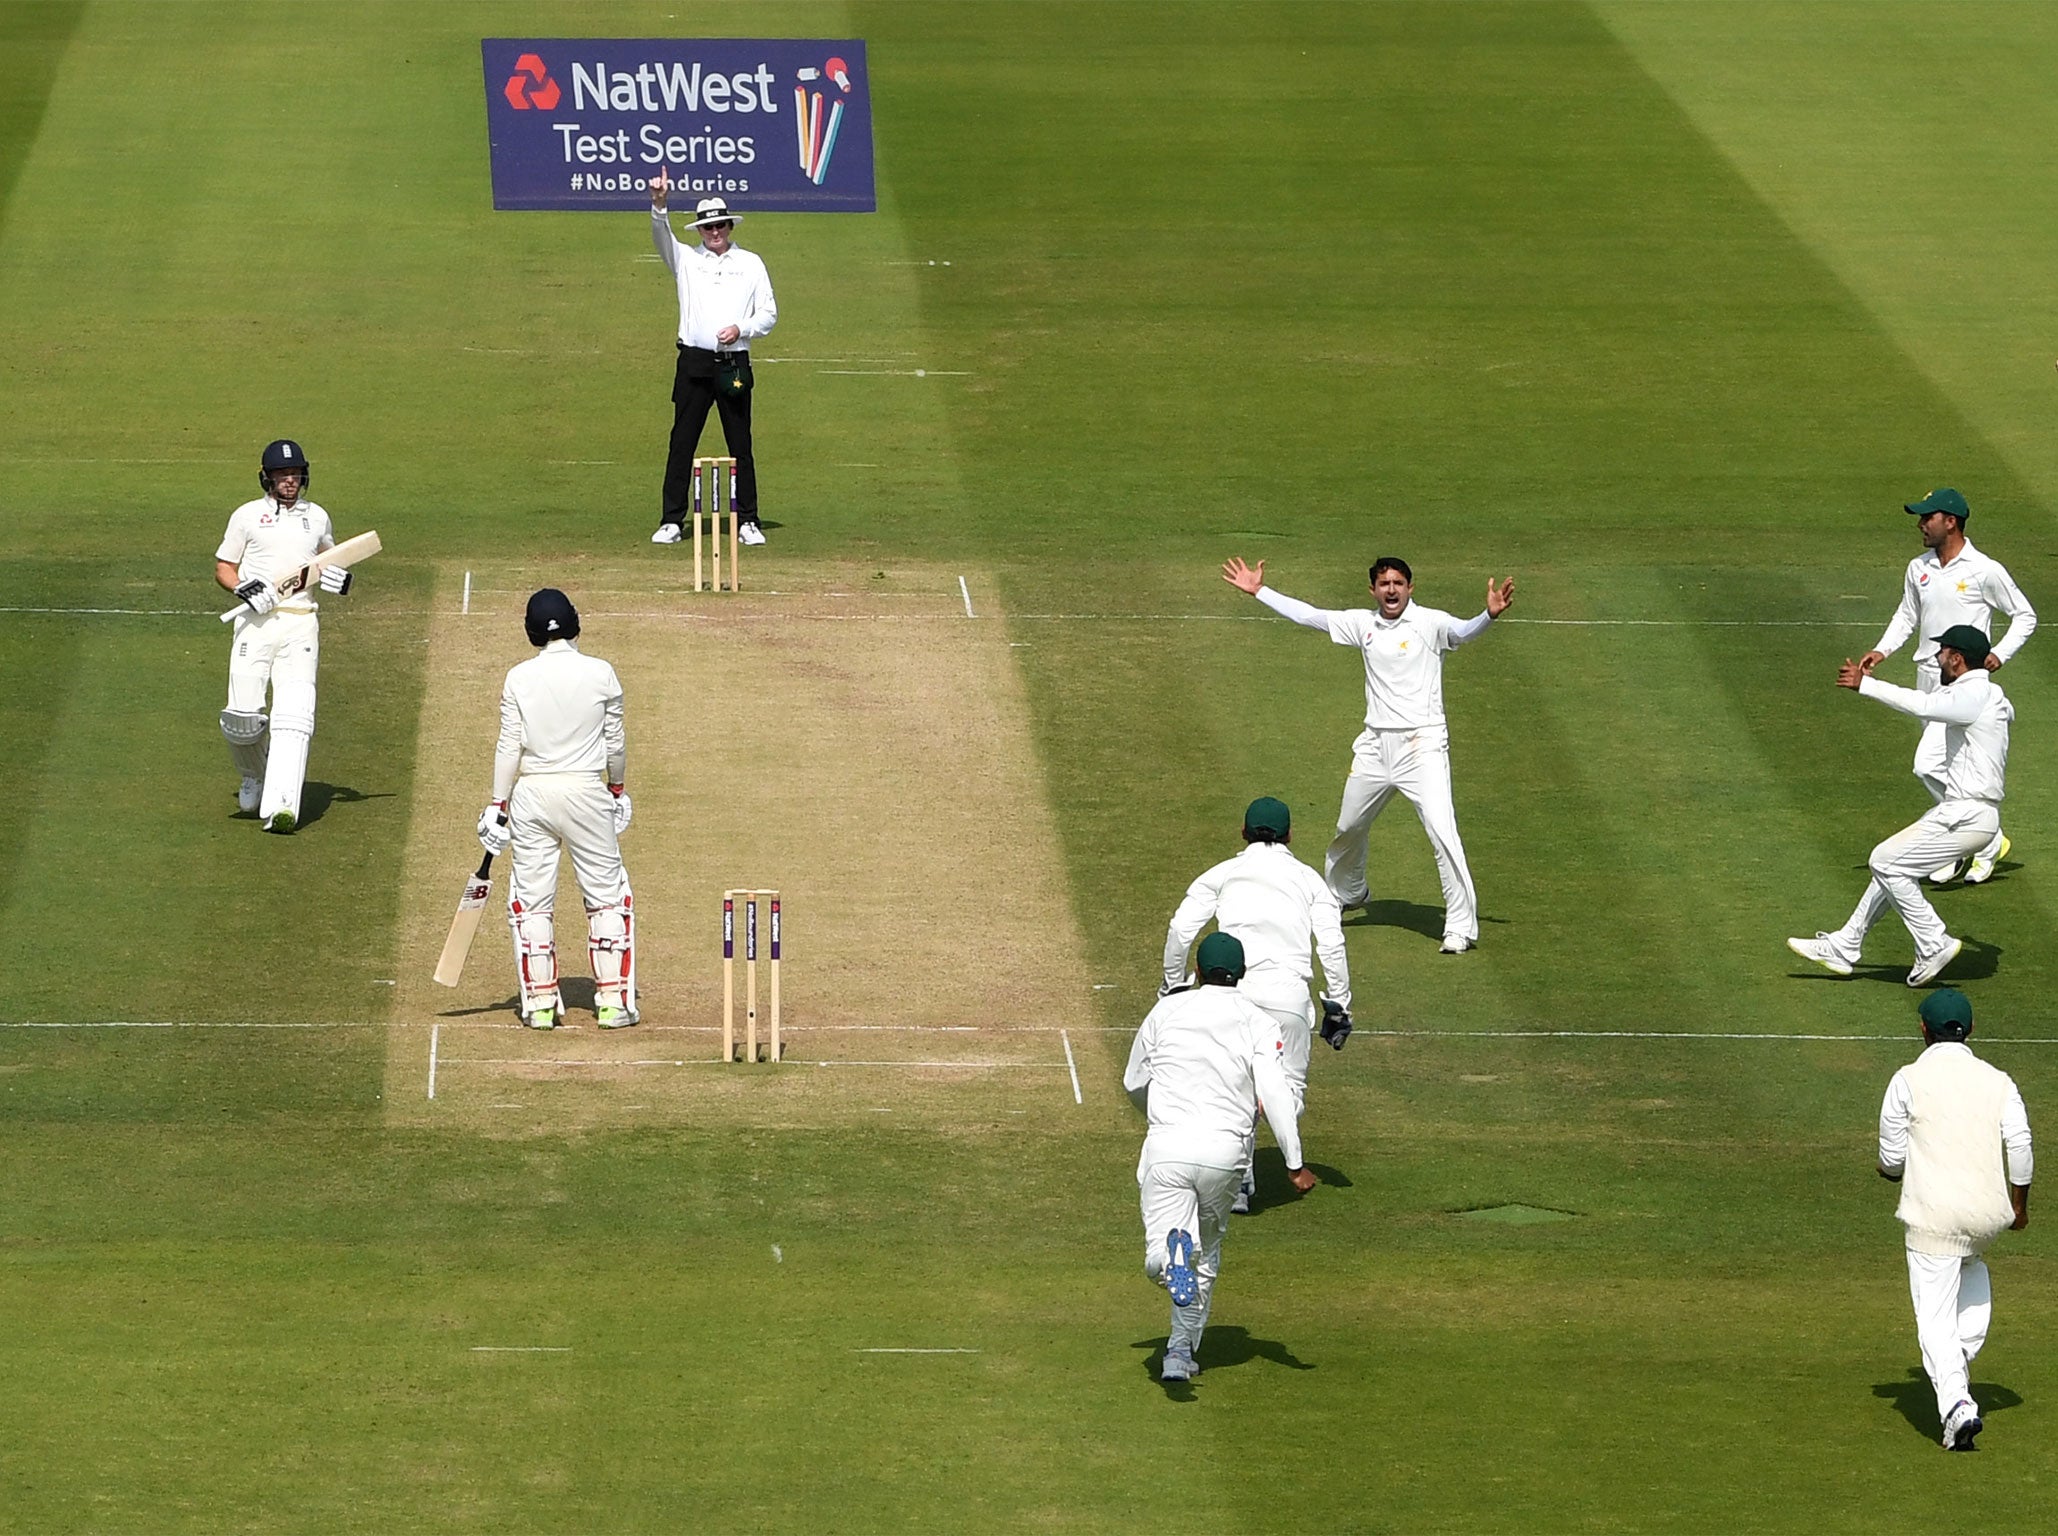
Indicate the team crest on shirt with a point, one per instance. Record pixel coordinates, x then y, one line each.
1922 580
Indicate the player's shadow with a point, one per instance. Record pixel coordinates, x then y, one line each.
572 991
1916 1401
1411 915
1268 1171
317 797
1976 962
1222 1347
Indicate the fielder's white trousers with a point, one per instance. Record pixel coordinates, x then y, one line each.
1930 758
278 651
1296 1032
1417 764
1954 1303
1955 829
1192 1198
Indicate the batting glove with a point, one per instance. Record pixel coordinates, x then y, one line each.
335 578
622 810
1336 1023
494 832
257 595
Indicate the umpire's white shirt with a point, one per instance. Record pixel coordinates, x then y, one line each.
730 289
1970 589
1975 714
1278 909
1209 1057
267 541
560 712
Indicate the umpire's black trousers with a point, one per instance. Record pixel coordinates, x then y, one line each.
693 391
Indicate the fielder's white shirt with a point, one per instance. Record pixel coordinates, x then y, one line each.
1976 716
715 291
560 712
1971 589
1949 1119
265 540
1403 656
1277 908
1209 1056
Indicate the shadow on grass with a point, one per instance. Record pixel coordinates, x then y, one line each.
1222 1347
1916 1401
574 992
1268 1169
316 799
1976 962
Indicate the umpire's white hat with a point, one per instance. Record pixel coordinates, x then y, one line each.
712 210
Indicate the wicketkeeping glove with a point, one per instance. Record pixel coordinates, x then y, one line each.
258 595
622 810
494 832
1336 1023
335 578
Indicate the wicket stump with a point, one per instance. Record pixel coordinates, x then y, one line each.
750 900
717 478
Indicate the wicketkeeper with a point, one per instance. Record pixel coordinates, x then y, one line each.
561 731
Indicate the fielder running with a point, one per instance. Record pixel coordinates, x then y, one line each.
1406 744
561 731
1202 1060
278 640
1973 714
1277 909
1954 1135
1952 583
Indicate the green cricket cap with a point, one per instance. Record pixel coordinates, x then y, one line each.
1967 642
1265 814
1947 1014
1942 499
1220 953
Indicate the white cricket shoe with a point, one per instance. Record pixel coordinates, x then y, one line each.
1454 944
1947 873
1961 1424
1179 1365
1981 869
1928 970
543 1018
1822 950
247 793
751 533
668 533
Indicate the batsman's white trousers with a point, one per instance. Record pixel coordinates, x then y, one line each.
1954 1303
1930 758
1417 764
569 810
1192 1198
1956 829
279 651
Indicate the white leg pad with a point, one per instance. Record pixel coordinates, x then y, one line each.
611 945
245 734
535 946
292 730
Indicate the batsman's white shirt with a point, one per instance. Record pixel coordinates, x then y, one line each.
714 291
266 541
1209 1057
1969 589
1975 715
1278 909
560 712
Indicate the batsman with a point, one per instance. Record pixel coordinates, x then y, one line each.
558 784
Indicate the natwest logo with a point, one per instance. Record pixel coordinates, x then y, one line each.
521 94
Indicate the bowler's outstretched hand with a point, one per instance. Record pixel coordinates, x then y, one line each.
1243 577
1499 597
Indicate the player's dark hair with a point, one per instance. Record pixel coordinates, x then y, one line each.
1392 563
1260 835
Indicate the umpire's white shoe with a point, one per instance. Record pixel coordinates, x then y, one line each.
247 793
750 533
1981 869
1961 1424
1822 950
1927 971
1178 1365
668 533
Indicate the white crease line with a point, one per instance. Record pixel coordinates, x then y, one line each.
140 613
1071 1066
967 593
716 1061
521 1349
918 1351
467 606
434 1031
897 373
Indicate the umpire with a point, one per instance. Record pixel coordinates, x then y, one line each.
725 302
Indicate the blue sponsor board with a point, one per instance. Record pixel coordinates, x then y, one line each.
777 125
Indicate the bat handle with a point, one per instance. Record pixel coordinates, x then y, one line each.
240 608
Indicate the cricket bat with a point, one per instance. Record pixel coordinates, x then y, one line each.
348 553
470 908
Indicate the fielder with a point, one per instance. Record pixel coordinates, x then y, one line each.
1277 909
1406 744
1973 714
1202 1061
561 731
278 641
1954 1135
1952 583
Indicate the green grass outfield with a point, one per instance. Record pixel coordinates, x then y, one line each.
1663 309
